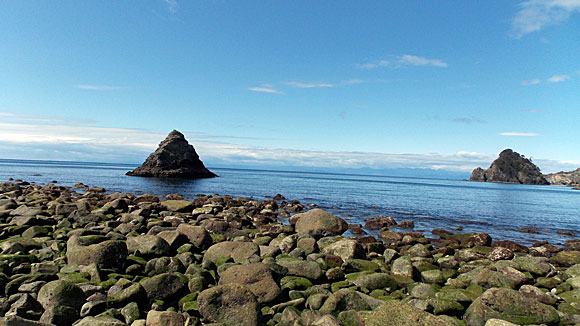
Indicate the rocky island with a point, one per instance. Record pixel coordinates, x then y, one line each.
510 167
174 158
86 257
570 179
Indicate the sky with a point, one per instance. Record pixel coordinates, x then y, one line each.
378 84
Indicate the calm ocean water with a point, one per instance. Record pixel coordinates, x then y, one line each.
497 209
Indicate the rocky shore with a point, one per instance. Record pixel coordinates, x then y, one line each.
82 256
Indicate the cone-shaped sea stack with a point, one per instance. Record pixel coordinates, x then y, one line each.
174 158
510 167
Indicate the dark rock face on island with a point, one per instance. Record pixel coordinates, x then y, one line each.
510 167
571 179
174 158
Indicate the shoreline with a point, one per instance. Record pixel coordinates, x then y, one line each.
84 256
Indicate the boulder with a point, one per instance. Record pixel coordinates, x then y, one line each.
148 246
61 293
237 250
164 287
197 235
174 158
398 313
345 249
165 318
230 305
512 306
256 277
109 254
318 222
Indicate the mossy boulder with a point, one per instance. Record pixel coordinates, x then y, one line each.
512 306
398 313
238 251
108 254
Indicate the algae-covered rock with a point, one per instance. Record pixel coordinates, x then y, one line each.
512 306
397 313
184 206
148 245
230 305
164 287
299 267
376 281
237 250
347 299
107 254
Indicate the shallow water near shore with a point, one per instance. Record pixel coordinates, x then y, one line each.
497 209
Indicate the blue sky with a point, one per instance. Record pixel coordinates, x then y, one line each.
443 85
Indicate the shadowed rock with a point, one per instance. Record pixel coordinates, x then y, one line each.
174 158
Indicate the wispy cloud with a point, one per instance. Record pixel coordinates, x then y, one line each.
172 6
530 82
265 88
309 85
100 87
404 60
537 14
558 78
413 60
532 111
14 117
372 65
355 81
468 121
519 134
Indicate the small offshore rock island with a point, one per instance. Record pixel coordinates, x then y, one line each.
512 167
174 158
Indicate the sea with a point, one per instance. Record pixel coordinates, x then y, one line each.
500 210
